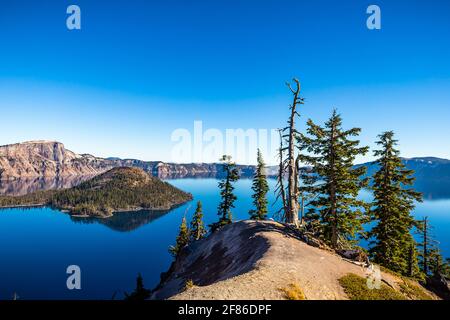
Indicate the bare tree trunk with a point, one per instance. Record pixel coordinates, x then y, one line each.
292 212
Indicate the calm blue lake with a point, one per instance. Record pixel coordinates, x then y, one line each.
37 245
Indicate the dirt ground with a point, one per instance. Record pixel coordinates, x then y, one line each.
255 260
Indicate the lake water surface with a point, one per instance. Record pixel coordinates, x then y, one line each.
37 245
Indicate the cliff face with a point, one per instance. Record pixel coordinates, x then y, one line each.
50 159
47 159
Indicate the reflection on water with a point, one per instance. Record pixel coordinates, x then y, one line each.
20 187
124 221
112 251
434 190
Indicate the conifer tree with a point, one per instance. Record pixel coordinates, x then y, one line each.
333 180
198 230
226 193
140 293
391 209
182 238
280 190
427 245
260 188
431 261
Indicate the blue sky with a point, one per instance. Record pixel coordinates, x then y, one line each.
138 70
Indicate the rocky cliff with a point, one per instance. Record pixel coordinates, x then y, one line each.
50 159
47 159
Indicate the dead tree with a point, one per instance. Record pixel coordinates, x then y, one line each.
290 164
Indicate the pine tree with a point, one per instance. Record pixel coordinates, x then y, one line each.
391 209
182 238
226 193
198 230
280 190
427 246
431 261
260 188
333 180
440 266
140 293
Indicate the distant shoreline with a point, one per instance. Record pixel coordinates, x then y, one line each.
24 206
69 212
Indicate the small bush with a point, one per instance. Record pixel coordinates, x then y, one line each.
356 289
189 284
293 292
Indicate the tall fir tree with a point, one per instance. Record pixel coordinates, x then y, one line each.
198 230
182 238
393 245
431 261
333 181
140 293
260 188
226 193
427 245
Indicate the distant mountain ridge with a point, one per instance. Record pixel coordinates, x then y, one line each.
432 175
50 159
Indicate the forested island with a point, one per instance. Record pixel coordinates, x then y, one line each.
119 189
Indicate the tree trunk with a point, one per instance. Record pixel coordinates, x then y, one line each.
292 212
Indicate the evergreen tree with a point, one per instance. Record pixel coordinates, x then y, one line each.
333 180
198 230
391 209
427 246
182 238
140 293
226 193
260 188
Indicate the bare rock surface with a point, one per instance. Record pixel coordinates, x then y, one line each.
254 260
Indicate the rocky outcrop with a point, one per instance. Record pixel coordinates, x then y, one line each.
47 159
258 260
50 159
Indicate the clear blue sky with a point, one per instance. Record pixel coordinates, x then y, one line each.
138 70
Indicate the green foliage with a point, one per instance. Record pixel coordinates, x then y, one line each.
356 289
394 246
413 291
428 250
333 182
140 293
226 193
182 239
260 188
36 198
120 189
198 230
440 266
